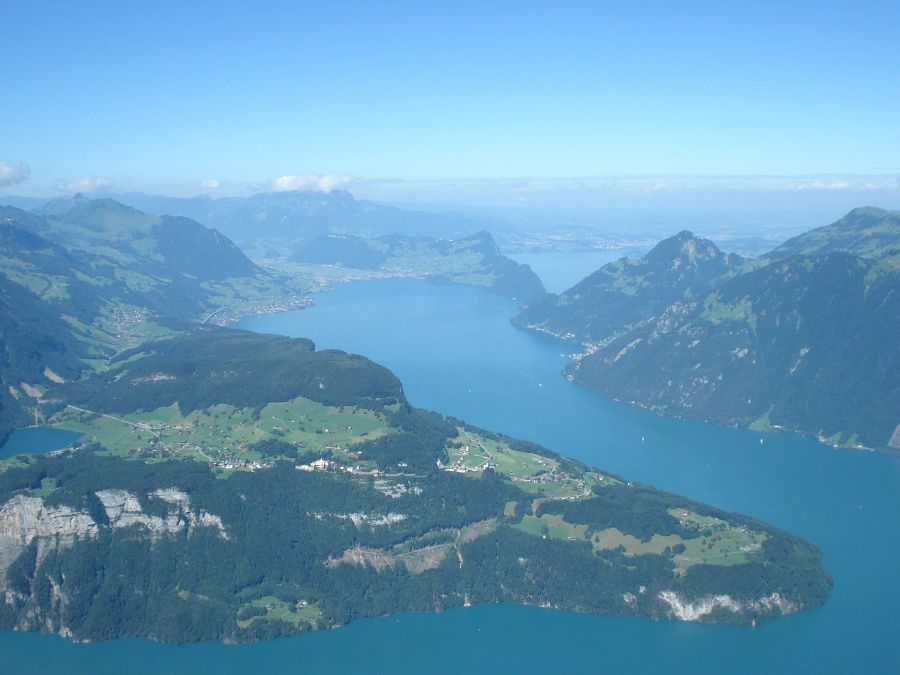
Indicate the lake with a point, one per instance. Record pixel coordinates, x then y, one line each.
36 441
455 351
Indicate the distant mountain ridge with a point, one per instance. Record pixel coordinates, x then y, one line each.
475 260
803 338
283 219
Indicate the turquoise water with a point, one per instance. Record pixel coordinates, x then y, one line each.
36 441
455 351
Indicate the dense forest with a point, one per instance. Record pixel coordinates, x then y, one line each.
178 551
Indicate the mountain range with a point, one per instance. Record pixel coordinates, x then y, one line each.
280 220
803 338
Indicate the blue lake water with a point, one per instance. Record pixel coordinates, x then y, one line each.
455 351
36 441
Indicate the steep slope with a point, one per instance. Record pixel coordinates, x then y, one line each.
806 343
627 291
803 338
867 232
473 260
179 240
84 278
154 245
236 486
48 298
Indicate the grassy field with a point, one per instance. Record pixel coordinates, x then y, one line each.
716 542
48 485
612 538
223 432
281 610
469 452
551 526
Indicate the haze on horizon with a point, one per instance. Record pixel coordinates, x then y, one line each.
579 105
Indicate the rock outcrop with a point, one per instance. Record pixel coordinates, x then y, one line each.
699 608
25 520
124 510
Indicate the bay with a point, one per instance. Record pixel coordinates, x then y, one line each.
455 352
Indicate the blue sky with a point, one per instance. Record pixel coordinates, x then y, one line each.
166 95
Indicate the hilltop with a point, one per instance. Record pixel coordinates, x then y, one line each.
626 291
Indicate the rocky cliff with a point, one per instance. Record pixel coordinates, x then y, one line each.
28 520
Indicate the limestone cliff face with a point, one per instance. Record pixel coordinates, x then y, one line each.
25 520
124 510
698 609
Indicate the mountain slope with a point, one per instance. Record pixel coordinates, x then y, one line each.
84 278
179 240
627 291
868 232
807 343
803 338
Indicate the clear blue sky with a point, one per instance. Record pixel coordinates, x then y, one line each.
168 94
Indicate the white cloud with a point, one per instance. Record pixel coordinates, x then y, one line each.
212 184
313 182
84 184
820 185
13 172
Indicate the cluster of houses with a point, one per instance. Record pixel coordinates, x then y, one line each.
242 465
316 465
459 465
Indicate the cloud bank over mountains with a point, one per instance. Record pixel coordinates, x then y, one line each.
311 182
83 184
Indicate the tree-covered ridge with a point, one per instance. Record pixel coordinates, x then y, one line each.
473 260
424 514
627 291
214 365
800 339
